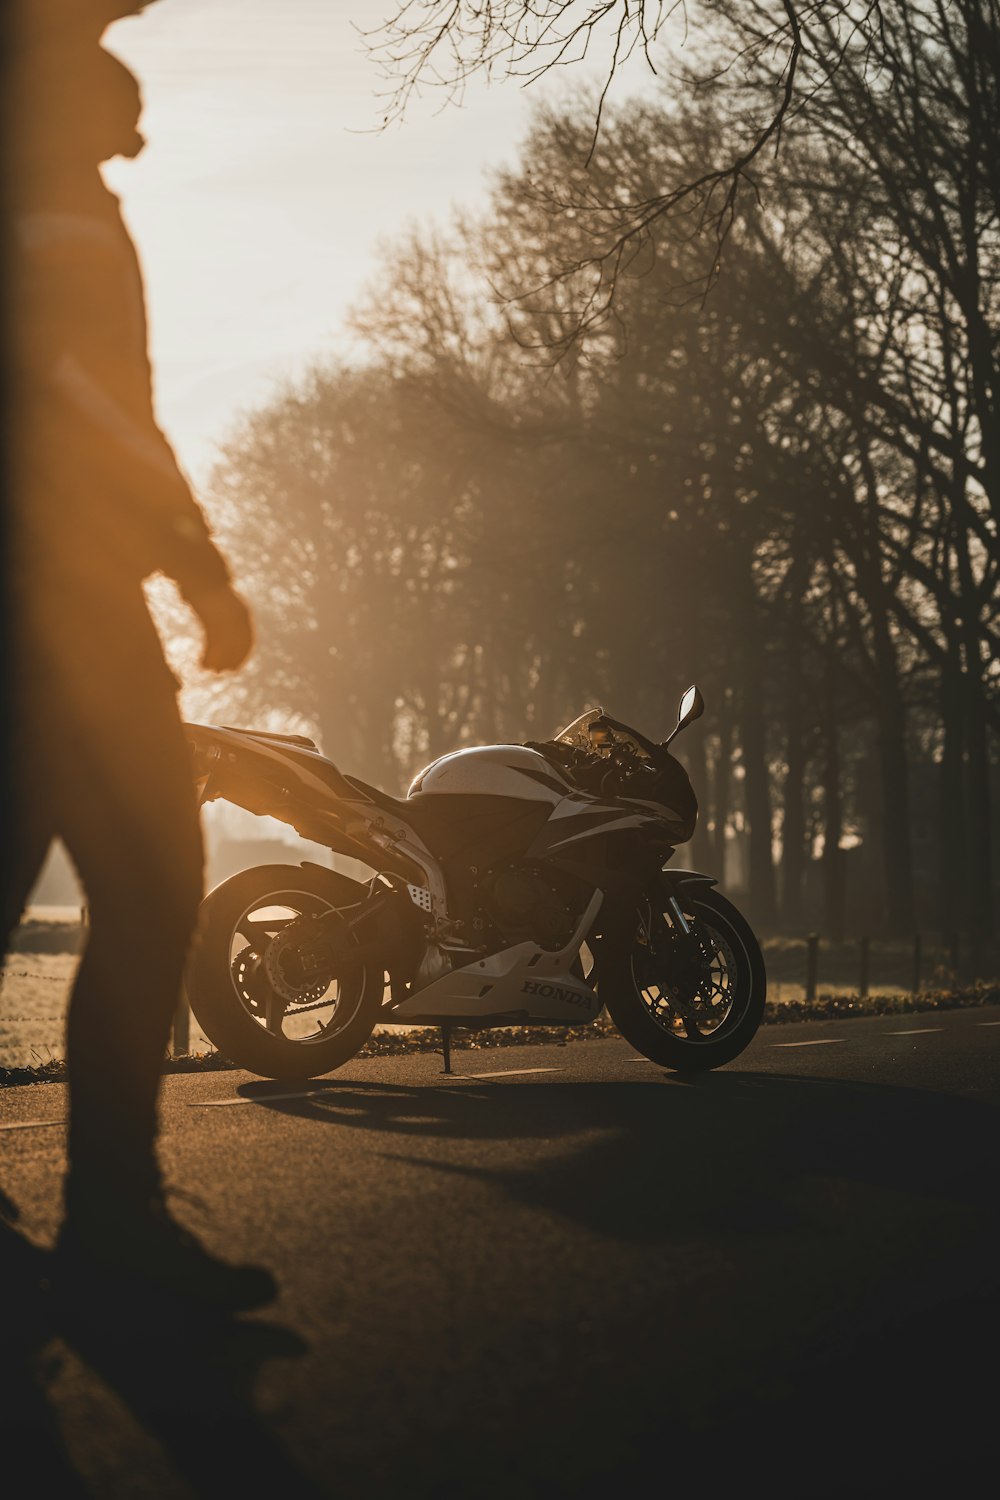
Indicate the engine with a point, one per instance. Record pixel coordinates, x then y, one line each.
522 902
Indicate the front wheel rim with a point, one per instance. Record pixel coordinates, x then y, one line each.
714 1006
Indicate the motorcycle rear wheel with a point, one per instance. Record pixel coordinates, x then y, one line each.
689 1003
290 1035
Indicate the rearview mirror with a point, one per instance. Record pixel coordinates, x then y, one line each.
691 707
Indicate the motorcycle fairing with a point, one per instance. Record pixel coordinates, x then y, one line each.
305 790
531 983
577 818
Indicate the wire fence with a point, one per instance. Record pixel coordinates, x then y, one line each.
808 967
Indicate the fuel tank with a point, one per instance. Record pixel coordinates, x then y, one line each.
492 771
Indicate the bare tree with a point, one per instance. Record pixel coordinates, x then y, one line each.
777 49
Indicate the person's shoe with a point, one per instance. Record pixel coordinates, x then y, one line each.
136 1247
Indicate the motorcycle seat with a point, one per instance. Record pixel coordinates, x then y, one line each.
394 805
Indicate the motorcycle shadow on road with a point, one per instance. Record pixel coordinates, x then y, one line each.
814 1258
737 1152
187 1380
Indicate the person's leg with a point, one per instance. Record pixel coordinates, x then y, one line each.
130 821
25 799
108 763
27 836
128 813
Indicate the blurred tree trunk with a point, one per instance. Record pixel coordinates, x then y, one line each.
793 846
834 885
980 852
896 849
953 873
891 716
722 772
753 745
700 850
757 794
979 791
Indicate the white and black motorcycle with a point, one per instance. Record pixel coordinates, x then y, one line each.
514 884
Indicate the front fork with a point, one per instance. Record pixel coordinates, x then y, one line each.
678 916
682 958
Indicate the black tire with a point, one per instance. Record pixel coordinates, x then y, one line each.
717 1027
233 1016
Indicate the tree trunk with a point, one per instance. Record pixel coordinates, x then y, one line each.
793 846
952 847
834 884
893 764
980 882
697 759
897 854
757 788
722 772
980 845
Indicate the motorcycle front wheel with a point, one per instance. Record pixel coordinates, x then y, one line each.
251 992
693 1000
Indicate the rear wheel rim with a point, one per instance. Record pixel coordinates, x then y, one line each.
304 1015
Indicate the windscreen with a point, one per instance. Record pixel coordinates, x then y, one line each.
578 733
598 734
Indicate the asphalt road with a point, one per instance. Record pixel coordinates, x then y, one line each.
561 1272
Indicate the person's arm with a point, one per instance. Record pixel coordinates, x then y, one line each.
88 350
184 549
183 546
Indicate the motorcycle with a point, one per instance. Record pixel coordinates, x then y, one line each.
513 884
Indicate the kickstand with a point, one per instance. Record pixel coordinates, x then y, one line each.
446 1047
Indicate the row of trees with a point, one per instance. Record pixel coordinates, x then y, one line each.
752 441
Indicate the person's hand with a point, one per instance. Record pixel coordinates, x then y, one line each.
228 627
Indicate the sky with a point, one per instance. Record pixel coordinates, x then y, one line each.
266 187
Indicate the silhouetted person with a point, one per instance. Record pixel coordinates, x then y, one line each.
99 758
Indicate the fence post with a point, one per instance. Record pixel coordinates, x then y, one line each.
863 947
812 965
917 957
180 1041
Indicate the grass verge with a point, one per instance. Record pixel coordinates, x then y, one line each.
428 1038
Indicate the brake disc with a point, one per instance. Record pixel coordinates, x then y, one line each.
310 978
260 977
689 985
711 990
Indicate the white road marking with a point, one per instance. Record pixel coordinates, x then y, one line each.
916 1031
513 1072
31 1124
821 1041
214 1103
988 1023
253 1099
